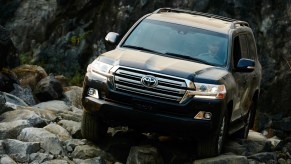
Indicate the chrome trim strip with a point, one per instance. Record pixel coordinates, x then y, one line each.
133 82
174 85
144 92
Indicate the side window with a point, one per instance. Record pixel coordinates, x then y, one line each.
252 46
244 46
236 51
241 49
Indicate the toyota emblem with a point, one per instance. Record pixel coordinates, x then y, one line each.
149 81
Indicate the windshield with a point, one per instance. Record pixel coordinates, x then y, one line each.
179 41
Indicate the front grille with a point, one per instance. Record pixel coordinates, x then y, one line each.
169 88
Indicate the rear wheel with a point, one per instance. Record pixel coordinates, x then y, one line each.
213 146
92 128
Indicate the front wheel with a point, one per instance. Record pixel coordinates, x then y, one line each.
213 146
92 128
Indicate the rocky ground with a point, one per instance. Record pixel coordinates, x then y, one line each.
49 132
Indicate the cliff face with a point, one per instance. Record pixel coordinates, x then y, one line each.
63 36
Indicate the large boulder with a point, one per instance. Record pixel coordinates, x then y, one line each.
73 96
59 131
48 89
13 146
86 151
28 115
29 75
7 160
12 129
48 141
23 93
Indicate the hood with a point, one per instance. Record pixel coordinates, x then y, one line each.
155 63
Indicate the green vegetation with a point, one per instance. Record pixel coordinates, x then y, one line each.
25 57
77 79
75 40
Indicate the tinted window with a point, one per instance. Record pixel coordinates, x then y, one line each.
164 37
244 46
252 47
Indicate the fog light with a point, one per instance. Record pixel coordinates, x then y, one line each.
202 115
93 93
207 115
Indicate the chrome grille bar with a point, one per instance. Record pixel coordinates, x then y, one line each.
169 88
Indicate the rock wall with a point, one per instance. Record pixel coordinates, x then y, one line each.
71 34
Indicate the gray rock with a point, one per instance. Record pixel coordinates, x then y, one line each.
48 141
96 160
32 118
74 95
20 158
74 115
56 161
59 131
14 100
265 157
74 128
19 147
23 93
86 151
144 154
25 27
55 105
2 150
6 160
2 99
283 124
72 143
282 161
254 147
48 89
36 158
12 129
223 159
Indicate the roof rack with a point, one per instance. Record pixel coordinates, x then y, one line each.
234 22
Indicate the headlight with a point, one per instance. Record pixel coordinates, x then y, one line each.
208 91
99 67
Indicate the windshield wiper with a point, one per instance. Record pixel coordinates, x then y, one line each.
187 57
140 48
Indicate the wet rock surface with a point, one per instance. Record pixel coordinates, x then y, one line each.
33 135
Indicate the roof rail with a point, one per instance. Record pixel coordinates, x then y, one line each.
239 23
233 21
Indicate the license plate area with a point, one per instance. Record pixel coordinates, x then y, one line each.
144 105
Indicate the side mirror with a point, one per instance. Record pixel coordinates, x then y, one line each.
112 38
245 65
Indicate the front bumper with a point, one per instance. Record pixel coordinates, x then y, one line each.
145 115
115 114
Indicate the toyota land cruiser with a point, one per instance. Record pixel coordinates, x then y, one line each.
176 72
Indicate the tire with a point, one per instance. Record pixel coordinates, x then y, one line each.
244 132
92 128
213 146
